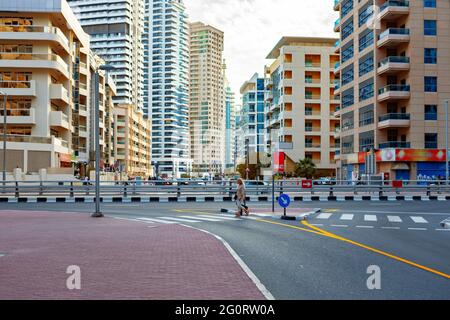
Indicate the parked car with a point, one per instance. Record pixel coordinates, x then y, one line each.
325 182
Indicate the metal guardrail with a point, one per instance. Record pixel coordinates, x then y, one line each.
216 188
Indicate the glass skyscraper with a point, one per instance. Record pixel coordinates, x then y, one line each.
166 85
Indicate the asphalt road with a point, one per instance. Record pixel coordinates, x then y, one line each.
326 258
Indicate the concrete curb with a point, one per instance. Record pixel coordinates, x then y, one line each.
203 199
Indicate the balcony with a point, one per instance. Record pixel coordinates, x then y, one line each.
313 131
59 93
393 64
395 145
59 119
34 33
337 25
336 5
9 60
394 92
337 68
393 9
313 65
337 46
392 37
394 120
313 147
313 97
19 88
83 68
309 82
82 130
19 116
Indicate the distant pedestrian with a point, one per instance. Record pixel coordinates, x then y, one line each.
240 199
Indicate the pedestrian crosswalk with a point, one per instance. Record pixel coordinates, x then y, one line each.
182 219
369 221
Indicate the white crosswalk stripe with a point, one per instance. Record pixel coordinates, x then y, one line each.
394 219
347 217
324 216
418 220
201 218
369 217
178 219
155 220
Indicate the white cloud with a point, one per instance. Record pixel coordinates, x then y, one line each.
253 27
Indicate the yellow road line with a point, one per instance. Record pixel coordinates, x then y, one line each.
289 226
331 235
322 232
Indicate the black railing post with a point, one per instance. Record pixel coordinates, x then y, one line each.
71 189
17 189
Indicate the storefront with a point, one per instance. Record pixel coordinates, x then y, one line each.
400 164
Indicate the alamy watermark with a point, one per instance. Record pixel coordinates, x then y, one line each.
73 282
374 280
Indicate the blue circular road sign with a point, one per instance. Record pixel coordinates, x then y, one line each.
284 200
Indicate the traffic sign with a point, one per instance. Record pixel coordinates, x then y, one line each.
284 200
307 184
397 184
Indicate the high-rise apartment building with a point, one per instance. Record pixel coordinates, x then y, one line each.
230 127
166 84
132 147
395 71
207 99
300 102
107 92
116 28
44 71
252 144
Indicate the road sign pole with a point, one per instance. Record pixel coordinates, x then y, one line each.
273 193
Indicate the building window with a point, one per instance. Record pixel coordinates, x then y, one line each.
348 98
347 53
366 90
347 75
430 28
366 116
429 3
347 29
430 84
431 112
365 40
365 15
430 55
366 65
431 140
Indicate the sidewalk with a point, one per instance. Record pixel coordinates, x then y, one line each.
118 260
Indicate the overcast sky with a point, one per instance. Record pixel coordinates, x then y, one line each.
253 27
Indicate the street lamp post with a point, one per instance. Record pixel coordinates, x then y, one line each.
5 97
97 213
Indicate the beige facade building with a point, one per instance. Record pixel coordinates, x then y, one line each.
107 92
44 71
132 141
300 101
395 71
207 99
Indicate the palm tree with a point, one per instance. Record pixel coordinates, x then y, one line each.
305 168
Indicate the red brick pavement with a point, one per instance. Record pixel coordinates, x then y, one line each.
118 260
